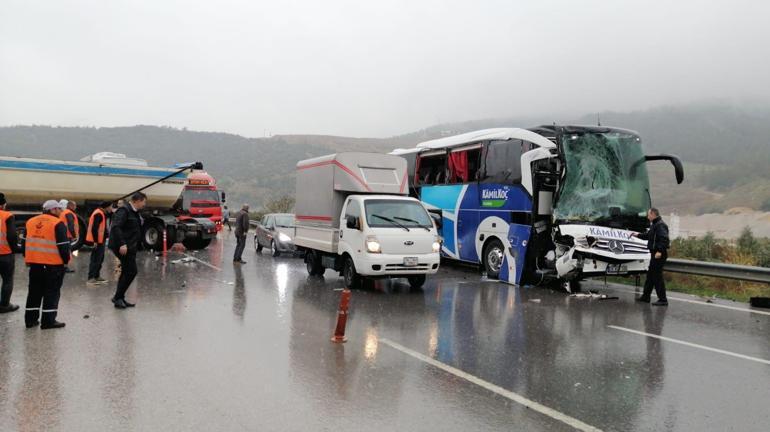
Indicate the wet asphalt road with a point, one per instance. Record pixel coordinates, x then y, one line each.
218 346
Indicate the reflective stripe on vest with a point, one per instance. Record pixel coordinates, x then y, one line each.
40 244
75 223
5 248
101 228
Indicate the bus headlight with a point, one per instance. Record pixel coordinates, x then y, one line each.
436 245
283 237
373 245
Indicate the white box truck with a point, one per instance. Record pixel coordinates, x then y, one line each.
353 215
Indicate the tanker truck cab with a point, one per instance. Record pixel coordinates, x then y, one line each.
353 216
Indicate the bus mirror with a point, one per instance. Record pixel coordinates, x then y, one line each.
678 167
224 196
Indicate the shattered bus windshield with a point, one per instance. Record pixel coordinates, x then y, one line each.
606 178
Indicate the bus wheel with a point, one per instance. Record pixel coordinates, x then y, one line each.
493 258
572 286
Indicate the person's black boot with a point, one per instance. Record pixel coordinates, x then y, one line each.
9 308
119 303
129 304
32 324
661 303
52 325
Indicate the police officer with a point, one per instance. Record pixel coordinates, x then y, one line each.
657 243
70 219
46 252
125 235
96 237
8 246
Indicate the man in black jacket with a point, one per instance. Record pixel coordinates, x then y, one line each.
657 244
124 239
241 228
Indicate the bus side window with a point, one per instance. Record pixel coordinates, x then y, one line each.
464 165
502 162
432 169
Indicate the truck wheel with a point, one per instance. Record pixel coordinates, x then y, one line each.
351 277
196 243
493 258
313 263
257 246
153 236
274 249
416 281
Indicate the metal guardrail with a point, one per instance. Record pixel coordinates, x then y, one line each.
720 270
700 268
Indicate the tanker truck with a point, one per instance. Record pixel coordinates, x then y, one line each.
27 183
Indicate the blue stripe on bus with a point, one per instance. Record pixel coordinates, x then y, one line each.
86 169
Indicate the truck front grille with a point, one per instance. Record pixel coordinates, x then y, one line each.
403 268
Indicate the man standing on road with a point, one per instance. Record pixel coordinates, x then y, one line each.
70 219
8 247
226 218
657 243
46 252
125 235
97 236
241 228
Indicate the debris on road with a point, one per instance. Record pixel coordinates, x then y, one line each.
183 260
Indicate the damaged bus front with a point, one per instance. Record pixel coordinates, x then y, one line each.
602 197
532 205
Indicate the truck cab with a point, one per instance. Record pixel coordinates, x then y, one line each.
202 199
388 236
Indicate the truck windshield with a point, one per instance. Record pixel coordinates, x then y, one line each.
407 213
605 178
205 196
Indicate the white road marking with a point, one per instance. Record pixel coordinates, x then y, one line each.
515 397
690 344
202 262
700 302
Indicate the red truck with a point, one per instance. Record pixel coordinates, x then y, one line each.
201 198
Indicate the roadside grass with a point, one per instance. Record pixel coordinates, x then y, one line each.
704 286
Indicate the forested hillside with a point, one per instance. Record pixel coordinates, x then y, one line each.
726 149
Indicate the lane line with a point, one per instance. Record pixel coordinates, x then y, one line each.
690 344
202 262
515 397
699 302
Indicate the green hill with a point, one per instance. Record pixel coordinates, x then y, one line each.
726 149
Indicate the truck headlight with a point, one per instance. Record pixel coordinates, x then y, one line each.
284 238
437 245
373 245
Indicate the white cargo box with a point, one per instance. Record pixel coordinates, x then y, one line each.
323 183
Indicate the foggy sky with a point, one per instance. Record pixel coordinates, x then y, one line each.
367 68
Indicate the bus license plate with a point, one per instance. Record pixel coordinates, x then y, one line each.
410 261
616 269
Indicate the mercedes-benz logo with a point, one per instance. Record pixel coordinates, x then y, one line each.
616 246
408 242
